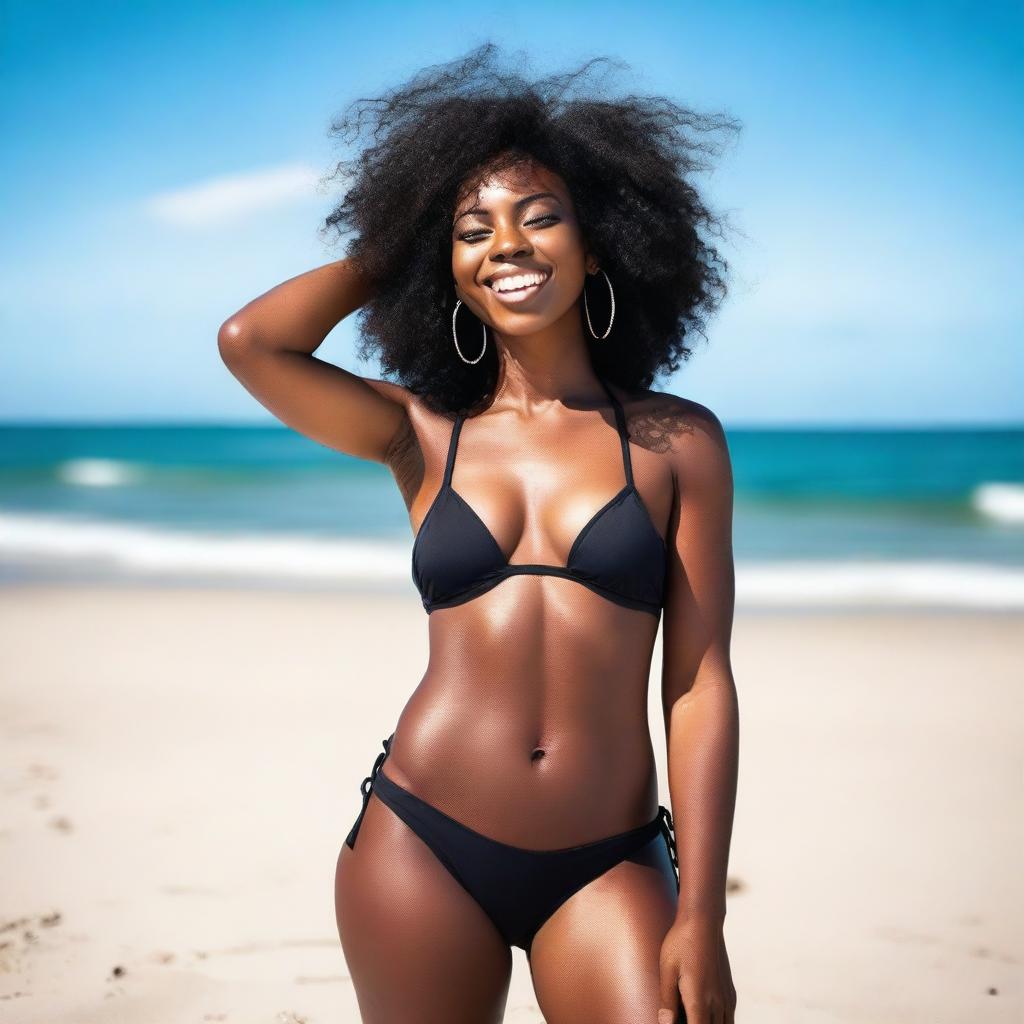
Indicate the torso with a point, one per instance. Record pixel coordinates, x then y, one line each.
530 723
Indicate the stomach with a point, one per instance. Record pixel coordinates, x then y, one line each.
530 722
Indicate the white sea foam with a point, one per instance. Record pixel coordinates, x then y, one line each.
128 550
1003 502
933 583
97 472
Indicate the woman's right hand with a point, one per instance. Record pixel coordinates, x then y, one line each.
269 344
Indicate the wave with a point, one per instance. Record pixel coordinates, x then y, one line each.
1003 502
128 550
880 584
98 472
146 549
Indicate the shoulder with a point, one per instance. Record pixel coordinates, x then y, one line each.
689 436
666 422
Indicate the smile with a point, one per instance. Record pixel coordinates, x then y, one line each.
518 287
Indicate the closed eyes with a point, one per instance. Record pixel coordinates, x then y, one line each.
553 218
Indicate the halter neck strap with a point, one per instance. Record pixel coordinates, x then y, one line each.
620 422
452 445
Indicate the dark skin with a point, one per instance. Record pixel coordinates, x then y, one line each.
567 757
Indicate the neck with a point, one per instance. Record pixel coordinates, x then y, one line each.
549 367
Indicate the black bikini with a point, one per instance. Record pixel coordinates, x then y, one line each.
518 889
619 555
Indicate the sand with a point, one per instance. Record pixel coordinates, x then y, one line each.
179 767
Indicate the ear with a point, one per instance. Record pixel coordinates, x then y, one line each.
590 264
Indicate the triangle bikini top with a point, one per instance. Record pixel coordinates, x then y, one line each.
619 554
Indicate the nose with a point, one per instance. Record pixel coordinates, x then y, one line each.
508 243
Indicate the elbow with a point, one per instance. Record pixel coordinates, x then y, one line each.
234 341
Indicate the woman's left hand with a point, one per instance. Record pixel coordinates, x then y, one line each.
695 974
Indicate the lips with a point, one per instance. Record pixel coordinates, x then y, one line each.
512 289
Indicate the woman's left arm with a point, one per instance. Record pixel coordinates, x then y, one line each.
701 718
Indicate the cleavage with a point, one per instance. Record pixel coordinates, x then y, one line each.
543 522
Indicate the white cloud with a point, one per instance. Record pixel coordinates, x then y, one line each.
232 196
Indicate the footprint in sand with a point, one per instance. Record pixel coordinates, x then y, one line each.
14 947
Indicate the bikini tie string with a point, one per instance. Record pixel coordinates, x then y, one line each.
668 831
367 785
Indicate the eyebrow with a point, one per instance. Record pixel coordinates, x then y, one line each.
519 202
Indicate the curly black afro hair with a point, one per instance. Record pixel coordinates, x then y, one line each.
627 162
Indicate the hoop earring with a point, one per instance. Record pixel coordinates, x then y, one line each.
586 309
455 337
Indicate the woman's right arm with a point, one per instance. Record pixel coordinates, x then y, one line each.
269 344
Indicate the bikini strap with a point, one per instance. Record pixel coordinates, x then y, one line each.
365 787
452 445
620 422
668 831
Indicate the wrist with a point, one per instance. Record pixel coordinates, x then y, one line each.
702 915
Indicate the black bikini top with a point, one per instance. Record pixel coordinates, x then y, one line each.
619 554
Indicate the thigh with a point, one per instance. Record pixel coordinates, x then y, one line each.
595 960
418 947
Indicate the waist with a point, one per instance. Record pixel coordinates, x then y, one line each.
522 784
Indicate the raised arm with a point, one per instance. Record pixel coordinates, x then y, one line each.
701 717
269 344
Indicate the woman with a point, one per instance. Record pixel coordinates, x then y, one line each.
526 257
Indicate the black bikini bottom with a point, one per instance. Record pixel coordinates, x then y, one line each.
518 889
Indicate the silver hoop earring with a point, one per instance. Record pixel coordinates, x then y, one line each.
586 309
455 336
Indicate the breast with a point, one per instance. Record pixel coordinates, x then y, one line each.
623 553
453 557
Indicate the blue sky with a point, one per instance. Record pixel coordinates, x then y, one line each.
161 162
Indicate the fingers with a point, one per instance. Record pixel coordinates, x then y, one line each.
669 996
684 1001
702 1008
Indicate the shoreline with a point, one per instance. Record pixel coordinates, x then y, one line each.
401 590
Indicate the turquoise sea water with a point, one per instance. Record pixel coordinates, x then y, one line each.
264 502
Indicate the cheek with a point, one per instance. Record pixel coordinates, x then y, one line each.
566 250
463 268
566 253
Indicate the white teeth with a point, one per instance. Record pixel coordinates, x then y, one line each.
510 284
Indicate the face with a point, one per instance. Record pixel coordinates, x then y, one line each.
518 257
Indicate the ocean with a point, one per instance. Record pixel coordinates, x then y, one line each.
822 517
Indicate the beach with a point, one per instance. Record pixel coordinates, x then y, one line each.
180 766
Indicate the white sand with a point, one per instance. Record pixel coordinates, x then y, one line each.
178 769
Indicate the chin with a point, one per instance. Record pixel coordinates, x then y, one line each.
523 326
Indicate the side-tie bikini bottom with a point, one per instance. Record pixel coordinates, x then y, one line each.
518 889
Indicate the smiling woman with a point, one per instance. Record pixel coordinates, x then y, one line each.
616 174
545 284
516 802
516 283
